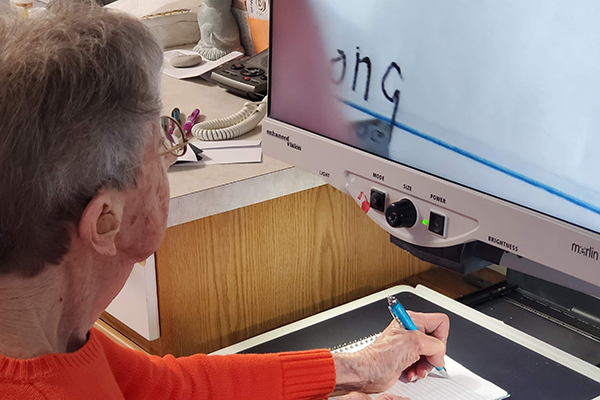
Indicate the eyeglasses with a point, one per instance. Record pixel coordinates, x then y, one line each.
174 137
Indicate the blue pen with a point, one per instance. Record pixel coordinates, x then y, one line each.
399 314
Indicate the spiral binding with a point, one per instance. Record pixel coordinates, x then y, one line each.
355 345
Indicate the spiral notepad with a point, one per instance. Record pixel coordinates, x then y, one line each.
355 345
462 385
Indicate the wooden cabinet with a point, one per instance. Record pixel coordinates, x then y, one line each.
230 276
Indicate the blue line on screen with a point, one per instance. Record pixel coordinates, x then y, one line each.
478 159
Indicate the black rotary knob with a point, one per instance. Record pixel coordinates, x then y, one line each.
401 214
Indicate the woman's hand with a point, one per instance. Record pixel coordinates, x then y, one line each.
436 325
377 367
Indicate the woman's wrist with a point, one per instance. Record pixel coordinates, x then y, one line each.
351 373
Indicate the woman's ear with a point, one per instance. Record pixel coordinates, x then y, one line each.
101 221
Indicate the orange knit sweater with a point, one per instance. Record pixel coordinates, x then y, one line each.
105 370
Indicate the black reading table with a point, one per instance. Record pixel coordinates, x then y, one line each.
525 367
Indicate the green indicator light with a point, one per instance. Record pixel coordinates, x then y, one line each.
424 222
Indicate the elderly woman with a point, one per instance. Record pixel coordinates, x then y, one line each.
84 194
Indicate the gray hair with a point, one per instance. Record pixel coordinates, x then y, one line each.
79 89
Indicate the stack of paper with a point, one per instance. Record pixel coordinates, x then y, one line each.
204 67
141 8
226 152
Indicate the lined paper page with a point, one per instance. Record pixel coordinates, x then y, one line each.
462 385
433 388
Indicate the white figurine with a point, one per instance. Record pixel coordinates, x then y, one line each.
219 33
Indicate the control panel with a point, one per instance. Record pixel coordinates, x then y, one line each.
407 215
404 214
